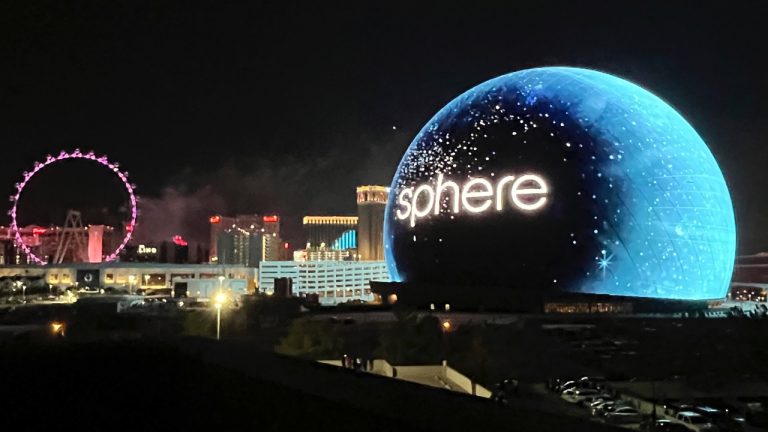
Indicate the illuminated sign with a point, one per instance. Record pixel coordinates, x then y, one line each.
215 219
272 218
179 240
527 193
147 250
38 231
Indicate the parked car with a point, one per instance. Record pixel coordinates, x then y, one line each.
575 395
664 425
609 407
583 382
599 396
597 406
624 415
724 421
597 382
600 401
672 407
565 385
695 421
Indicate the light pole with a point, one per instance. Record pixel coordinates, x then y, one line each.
446 326
220 299
24 293
131 279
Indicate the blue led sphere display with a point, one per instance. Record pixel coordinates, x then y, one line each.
561 179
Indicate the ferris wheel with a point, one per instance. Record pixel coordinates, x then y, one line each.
76 154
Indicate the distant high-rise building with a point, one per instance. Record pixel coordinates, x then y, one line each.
272 248
371 201
271 224
331 232
245 239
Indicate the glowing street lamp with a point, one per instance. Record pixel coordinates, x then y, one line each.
219 301
446 325
57 328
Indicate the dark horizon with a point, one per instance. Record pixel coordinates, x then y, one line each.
248 108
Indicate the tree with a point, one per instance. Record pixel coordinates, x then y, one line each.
311 339
412 340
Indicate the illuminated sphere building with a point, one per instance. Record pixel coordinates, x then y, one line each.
561 179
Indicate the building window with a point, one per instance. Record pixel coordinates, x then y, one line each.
153 279
109 277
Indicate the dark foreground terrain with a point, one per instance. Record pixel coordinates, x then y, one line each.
195 383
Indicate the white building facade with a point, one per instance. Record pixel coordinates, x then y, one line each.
333 282
133 276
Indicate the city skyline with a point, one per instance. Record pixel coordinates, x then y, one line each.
334 111
435 216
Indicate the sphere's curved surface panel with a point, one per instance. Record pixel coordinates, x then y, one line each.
562 179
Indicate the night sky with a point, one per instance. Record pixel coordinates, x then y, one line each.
234 107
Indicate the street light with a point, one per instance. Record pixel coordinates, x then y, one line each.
57 328
220 299
24 293
447 326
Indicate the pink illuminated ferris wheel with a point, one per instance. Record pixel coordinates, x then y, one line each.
76 154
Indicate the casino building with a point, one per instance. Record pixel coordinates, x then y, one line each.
329 238
333 282
371 202
245 239
128 275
